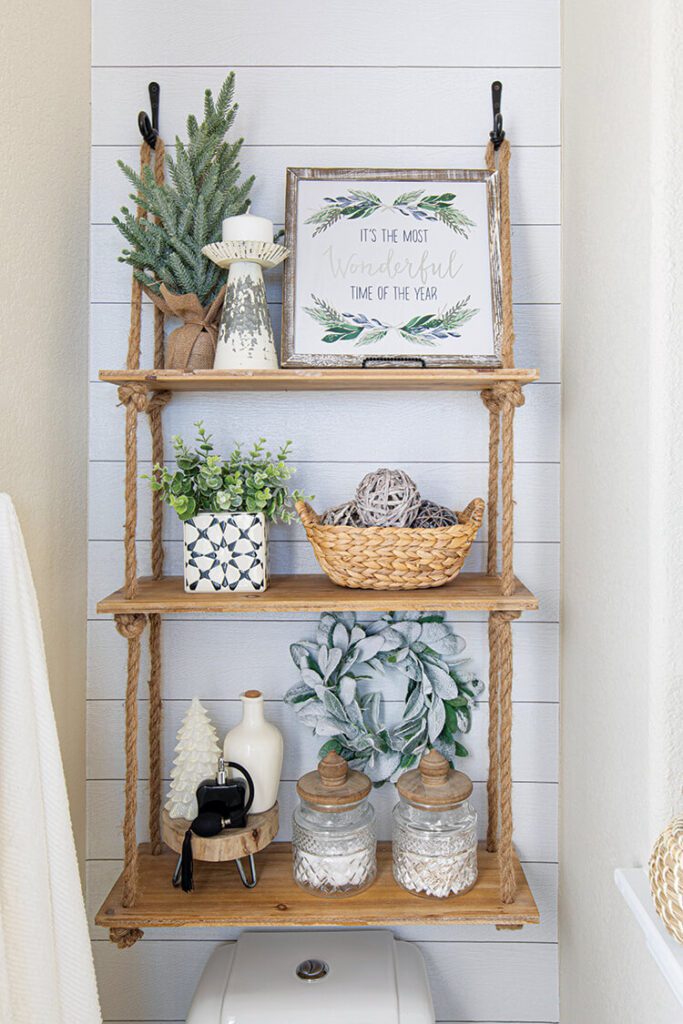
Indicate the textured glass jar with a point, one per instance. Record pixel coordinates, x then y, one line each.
334 839
434 838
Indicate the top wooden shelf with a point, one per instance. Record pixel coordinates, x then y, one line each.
442 379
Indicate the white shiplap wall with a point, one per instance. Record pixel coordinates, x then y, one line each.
389 83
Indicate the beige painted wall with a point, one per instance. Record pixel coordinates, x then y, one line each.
45 118
617 447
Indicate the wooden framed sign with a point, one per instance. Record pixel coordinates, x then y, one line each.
392 264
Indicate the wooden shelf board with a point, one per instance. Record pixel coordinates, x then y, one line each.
220 899
470 591
442 379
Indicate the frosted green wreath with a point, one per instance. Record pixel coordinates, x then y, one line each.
439 697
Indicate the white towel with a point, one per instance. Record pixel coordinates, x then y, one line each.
46 968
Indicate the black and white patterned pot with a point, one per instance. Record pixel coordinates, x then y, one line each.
225 551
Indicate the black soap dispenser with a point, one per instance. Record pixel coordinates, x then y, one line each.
227 797
222 803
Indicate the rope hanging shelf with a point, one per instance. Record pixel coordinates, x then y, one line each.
502 895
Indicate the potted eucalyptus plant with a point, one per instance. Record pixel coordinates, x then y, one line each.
225 506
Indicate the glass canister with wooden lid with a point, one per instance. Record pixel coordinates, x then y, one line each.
434 830
334 839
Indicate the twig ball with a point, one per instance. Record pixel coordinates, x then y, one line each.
430 515
342 515
387 497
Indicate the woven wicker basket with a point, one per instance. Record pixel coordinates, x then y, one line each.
666 877
391 557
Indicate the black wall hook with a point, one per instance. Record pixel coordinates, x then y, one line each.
149 131
497 135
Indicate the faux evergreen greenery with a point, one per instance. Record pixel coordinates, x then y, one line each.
204 482
202 189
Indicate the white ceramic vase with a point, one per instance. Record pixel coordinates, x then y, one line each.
257 744
225 551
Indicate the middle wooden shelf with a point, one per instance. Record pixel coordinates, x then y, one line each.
469 591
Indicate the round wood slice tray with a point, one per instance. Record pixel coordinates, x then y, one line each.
228 845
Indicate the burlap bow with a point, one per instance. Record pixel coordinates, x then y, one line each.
191 346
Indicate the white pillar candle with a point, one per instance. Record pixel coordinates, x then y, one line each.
247 228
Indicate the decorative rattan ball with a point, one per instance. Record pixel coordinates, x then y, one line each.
341 515
666 877
387 497
431 515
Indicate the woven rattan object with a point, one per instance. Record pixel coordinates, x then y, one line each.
666 877
390 557
341 515
432 515
387 497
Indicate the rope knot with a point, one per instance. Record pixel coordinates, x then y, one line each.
157 400
133 394
507 393
130 626
124 938
506 616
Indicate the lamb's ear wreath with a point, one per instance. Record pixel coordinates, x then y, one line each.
440 691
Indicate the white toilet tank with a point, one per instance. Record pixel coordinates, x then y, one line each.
305 977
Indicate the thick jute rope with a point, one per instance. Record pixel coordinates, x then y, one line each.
499 161
490 400
155 405
124 938
501 401
131 627
154 733
505 859
493 781
136 399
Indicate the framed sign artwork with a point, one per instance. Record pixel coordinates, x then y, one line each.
392 265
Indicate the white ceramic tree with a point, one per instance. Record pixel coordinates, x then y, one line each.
197 753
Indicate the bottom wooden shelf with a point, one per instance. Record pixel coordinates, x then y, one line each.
220 900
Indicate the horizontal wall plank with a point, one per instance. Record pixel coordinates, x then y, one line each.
537 565
535 255
536 517
212 657
534 175
306 32
473 981
534 809
542 878
433 426
537 341
339 106
534 751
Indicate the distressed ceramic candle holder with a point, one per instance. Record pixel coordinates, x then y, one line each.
245 335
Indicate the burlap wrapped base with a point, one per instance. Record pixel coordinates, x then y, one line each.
192 346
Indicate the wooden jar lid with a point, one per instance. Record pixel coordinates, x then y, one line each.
333 784
434 784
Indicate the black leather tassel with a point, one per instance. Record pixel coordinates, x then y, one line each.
186 872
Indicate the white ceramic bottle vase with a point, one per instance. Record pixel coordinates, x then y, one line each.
257 744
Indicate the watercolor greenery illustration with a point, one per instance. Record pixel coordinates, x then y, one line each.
358 204
428 329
